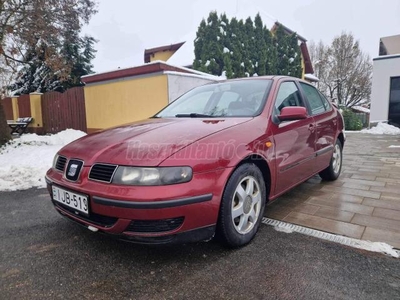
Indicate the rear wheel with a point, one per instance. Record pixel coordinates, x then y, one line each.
242 206
332 172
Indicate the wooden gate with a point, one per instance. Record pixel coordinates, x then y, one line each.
64 110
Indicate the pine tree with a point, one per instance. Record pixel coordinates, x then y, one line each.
260 46
294 54
250 55
199 50
37 76
282 51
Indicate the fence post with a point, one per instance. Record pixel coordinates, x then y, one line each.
36 112
14 103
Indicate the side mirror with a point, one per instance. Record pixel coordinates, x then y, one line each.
291 113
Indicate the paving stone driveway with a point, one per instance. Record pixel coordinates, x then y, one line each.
364 203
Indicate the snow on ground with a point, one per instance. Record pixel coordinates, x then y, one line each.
382 128
25 160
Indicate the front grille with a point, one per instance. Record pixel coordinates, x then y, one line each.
93 218
102 172
60 163
155 225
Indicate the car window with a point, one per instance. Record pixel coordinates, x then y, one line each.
288 95
315 101
224 101
238 98
325 101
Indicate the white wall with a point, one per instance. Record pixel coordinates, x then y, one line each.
385 67
179 83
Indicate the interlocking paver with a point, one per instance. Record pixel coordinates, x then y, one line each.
363 203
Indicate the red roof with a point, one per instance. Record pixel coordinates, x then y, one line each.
134 71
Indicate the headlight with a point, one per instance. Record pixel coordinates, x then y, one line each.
55 161
152 176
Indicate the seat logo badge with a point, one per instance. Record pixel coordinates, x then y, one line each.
72 170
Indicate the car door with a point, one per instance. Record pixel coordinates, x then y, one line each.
294 140
326 124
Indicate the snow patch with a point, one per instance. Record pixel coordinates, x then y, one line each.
394 146
25 160
284 229
226 50
382 128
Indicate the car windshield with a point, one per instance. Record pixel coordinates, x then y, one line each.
242 98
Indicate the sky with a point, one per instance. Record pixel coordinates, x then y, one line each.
124 28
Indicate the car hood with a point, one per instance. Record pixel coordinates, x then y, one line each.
145 143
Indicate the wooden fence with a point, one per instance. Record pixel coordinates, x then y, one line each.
64 110
8 110
24 106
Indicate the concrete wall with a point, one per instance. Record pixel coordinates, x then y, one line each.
385 67
180 83
125 100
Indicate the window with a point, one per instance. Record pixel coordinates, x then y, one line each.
314 99
288 95
325 101
394 101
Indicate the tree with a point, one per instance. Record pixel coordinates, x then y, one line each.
344 71
29 27
28 24
39 77
238 48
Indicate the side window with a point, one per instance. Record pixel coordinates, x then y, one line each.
288 95
325 101
315 101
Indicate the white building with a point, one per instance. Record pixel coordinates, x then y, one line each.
385 96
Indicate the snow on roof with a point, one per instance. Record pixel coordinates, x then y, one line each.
361 109
311 77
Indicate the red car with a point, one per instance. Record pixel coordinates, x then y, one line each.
205 165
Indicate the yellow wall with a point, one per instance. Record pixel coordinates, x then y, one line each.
116 103
14 102
36 109
162 55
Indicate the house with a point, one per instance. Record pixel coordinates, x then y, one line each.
182 53
385 94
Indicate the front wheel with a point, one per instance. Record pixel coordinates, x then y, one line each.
242 206
332 172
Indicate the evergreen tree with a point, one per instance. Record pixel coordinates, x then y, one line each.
238 49
261 49
37 76
294 54
281 42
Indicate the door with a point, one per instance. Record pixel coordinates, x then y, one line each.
294 140
325 118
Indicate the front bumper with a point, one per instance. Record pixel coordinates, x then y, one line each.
139 214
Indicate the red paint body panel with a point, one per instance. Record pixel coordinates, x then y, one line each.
213 148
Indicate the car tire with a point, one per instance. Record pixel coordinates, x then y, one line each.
242 206
332 172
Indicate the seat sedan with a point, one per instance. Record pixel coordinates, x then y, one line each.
205 165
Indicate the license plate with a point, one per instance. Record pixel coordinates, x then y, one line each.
76 201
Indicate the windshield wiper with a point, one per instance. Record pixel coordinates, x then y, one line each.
193 115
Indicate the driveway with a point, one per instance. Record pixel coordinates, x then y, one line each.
44 256
364 203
